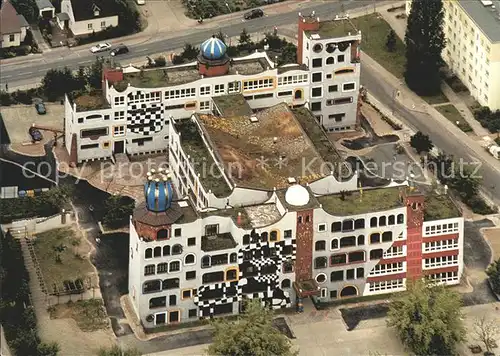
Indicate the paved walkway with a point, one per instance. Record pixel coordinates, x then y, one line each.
37 35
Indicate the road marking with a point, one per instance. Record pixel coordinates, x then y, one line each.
28 72
88 61
7 76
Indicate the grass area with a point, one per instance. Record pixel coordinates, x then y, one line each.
374 30
57 254
356 203
91 101
89 315
436 99
439 207
452 114
232 105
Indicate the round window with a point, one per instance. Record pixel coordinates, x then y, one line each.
321 278
318 47
331 47
150 318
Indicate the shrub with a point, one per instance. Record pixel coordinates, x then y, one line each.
479 206
160 61
22 97
5 99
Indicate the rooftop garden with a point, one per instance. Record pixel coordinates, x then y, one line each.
337 28
217 242
200 158
439 207
94 100
152 78
361 202
232 105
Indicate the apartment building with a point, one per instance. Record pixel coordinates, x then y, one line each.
237 217
472 30
133 114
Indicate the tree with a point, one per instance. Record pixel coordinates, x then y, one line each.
117 209
465 182
220 35
288 54
427 319
57 82
486 332
27 8
189 52
116 351
252 334
493 272
48 349
390 42
94 74
245 40
421 142
424 43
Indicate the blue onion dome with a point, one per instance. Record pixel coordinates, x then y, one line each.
213 48
158 191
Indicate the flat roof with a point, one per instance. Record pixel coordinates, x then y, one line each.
182 74
90 101
362 201
486 18
335 28
232 105
203 163
439 207
265 153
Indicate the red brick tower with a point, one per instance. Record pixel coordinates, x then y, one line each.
415 218
306 23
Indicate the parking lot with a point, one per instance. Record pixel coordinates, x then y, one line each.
19 118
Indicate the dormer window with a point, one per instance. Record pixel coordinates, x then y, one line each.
96 10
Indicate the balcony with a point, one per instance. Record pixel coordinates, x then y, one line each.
217 242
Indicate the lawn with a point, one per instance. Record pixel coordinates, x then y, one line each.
436 99
438 207
452 114
89 315
60 254
374 30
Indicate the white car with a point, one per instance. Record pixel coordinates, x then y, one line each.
101 47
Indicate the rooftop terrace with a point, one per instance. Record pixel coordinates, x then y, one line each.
250 152
335 28
201 159
177 75
438 207
217 242
232 105
94 100
370 200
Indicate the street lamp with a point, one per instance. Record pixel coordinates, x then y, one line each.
227 5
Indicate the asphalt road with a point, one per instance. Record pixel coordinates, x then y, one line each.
21 74
439 134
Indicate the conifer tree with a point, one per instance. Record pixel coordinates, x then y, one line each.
424 43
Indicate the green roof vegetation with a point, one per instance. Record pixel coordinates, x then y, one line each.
439 207
94 100
203 163
336 28
354 202
147 78
232 105
217 242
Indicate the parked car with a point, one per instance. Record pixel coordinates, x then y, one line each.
35 134
120 49
40 108
101 47
253 14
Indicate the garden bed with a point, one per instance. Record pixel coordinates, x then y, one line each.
89 315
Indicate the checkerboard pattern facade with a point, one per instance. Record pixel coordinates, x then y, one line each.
145 119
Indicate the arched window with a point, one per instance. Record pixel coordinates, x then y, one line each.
359 224
166 250
176 249
149 270
348 241
348 225
392 220
298 94
205 262
330 60
320 245
189 259
382 221
157 251
171 283
375 238
349 291
376 254
231 274
387 236
285 283
264 236
246 239
335 244
401 218
361 240
373 222
151 286
273 236
162 268
336 226
148 253
174 266
233 258
320 262
162 234
356 256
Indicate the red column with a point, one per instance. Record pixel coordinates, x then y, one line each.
304 238
306 23
415 219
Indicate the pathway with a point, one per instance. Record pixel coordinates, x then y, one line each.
37 35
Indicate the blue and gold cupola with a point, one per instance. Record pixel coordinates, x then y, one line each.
158 191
